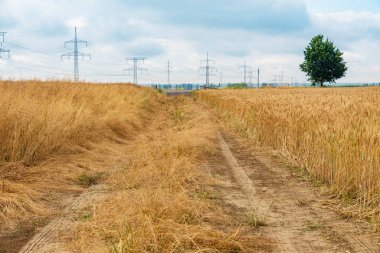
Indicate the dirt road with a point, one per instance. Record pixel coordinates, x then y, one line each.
48 239
176 93
284 206
295 214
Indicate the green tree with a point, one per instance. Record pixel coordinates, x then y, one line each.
323 61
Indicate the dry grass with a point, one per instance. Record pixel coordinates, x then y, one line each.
58 138
333 133
50 133
41 119
156 206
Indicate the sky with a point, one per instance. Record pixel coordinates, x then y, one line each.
269 35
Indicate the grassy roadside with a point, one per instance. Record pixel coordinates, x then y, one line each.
159 202
55 134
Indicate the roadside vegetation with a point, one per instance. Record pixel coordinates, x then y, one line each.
333 133
237 86
58 139
163 201
50 133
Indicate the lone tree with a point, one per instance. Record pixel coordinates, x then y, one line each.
323 61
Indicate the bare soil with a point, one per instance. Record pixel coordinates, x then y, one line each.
176 93
296 215
48 238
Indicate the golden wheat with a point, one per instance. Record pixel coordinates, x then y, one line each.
334 133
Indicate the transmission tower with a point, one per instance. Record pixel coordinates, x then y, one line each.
276 79
247 73
76 54
250 77
2 50
258 78
168 71
207 70
135 69
282 75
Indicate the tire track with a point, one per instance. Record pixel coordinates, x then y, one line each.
246 184
296 218
48 239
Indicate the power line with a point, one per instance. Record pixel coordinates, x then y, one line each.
107 64
40 69
207 70
282 75
76 54
47 58
275 79
168 70
2 50
48 30
284 80
41 58
36 50
258 78
53 56
247 73
135 69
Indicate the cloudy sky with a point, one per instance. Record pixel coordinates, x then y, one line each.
267 34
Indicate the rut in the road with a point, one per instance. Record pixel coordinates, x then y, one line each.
48 239
296 217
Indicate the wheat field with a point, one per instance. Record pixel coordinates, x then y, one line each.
334 133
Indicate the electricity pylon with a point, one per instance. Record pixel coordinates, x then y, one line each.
207 70
258 78
2 50
276 79
135 69
282 75
168 71
247 73
76 54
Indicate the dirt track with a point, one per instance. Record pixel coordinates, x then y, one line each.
294 212
296 216
48 239
175 93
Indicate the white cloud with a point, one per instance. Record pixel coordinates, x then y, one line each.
357 34
77 22
267 34
348 25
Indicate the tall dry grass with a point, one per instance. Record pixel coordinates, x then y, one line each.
51 132
42 123
42 119
334 133
160 202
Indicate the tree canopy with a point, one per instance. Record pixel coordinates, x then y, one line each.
323 61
